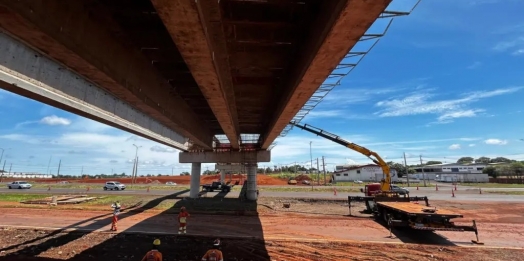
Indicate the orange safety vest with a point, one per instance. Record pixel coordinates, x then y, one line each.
153 255
213 255
182 216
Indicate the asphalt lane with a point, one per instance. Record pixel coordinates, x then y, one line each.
441 194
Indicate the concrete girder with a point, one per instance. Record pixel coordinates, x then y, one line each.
72 34
196 29
232 156
336 31
26 72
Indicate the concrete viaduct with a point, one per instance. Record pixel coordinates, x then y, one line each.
217 79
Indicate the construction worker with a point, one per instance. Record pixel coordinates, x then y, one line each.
153 254
116 210
182 220
214 254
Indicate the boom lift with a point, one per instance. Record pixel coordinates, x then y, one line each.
394 209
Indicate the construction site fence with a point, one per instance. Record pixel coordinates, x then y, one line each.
507 180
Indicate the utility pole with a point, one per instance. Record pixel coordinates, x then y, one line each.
318 174
10 166
135 170
407 170
324 170
49 164
82 171
2 155
135 167
295 169
172 171
311 156
423 172
59 164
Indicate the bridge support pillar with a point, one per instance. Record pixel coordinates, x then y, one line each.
194 187
222 175
251 191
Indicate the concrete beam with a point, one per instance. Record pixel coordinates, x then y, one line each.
233 157
335 32
196 28
77 34
26 72
233 168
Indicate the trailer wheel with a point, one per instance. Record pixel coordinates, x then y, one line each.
385 215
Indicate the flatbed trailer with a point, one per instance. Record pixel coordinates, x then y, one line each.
407 212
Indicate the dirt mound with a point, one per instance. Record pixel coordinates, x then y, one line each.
182 180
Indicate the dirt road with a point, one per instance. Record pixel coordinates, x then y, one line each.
499 224
309 230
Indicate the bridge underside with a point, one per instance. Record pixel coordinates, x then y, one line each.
226 74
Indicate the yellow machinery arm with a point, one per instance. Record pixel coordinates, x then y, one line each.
385 183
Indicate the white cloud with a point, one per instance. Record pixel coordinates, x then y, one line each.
447 117
163 149
496 142
474 65
518 52
55 120
454 147
448 109
515 46
471 145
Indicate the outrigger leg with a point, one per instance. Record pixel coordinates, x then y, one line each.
476 234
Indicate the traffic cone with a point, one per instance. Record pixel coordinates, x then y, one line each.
455 187
452 193
480 191
48 188
147 189
335 191
417 187
87 188
436 187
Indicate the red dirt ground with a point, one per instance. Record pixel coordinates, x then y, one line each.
289 235
261 179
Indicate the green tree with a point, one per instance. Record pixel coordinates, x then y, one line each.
400 168
491 171
482 160
433 162
465 160
500 159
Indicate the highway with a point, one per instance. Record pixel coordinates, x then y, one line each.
464 193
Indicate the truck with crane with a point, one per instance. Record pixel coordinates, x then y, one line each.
389 205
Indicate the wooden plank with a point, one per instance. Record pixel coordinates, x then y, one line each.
412 208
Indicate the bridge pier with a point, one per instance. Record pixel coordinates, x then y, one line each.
222 175
251 192
194 187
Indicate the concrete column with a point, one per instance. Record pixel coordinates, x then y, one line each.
222 175
251 191
194 187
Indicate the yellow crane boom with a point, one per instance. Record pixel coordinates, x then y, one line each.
385 184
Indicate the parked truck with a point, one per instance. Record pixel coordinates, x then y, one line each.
389 205
216 185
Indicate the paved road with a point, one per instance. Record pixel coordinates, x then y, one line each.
442 194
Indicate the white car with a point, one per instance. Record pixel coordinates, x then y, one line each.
171 183
114 185
358 181
19 185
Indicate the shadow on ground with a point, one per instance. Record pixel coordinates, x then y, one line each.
242 237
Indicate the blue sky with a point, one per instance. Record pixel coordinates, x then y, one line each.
444 82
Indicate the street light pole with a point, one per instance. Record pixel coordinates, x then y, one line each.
135 166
